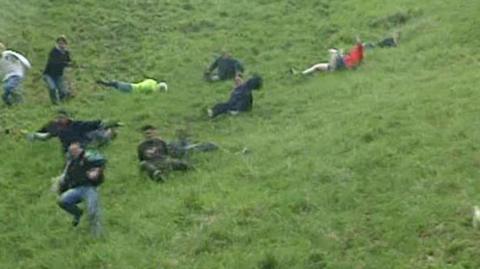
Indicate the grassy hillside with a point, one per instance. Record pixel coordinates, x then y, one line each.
374 168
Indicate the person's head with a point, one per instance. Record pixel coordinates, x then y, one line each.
226 54
255 82
2 47
149 131
62 120
238 79
75 150
62 42
162 86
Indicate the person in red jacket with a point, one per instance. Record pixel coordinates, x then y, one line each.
338 61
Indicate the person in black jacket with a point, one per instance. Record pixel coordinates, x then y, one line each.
226 68
58 60
69 131
154 157
241 98
83 174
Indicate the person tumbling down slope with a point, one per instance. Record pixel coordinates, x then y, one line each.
224 67
241 98
145 86
69 131
158 158
83 174
338 61
13 68
154 156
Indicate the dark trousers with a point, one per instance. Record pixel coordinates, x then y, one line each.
161 168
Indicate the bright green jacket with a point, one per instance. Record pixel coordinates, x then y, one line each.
146 86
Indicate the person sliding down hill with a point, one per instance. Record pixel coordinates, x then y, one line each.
145 86
13 68
226 68
69 131
241 98
338 61
83 174
154 156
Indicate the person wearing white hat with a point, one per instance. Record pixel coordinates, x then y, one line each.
13 68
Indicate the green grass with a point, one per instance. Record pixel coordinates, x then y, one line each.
375 168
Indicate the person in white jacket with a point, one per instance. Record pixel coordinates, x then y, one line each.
13 68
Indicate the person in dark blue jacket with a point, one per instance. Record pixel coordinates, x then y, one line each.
58 60
223 68
241 98
69 131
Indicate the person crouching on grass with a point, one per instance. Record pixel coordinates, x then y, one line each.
145 86
83 174
241 98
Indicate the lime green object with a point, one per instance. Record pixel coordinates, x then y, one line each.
146 86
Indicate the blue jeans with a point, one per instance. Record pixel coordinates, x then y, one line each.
11 87
123 86
57 88
69 200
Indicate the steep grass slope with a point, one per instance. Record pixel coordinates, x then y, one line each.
375 168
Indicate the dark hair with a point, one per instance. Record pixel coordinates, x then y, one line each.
63 39
255 83
147 127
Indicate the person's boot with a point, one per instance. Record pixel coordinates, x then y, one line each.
76 218
158 176
6 98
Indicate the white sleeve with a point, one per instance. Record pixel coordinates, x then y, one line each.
19 56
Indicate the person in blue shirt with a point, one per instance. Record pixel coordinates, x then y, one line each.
241 98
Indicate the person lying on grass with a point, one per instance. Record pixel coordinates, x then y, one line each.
145 86
13 69
241 98
67 130
338 61
224 67
157 157
154 156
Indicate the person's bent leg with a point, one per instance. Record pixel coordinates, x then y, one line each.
178 165
318 67
63 90
220 108
202 147
68 201
52 89
101 136
10 86
93 209
153 170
